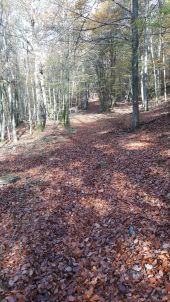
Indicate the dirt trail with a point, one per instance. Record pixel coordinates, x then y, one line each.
89 219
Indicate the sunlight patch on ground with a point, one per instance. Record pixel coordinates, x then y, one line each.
121 110
74 183
100 206
103 148
103 132
165 153
109 152
155 201
149 198
89 118
136 145
106 149
121 181
56 172
75 164
159 171
34 171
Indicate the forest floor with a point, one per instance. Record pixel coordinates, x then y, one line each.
89 218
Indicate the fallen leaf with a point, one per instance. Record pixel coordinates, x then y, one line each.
71 299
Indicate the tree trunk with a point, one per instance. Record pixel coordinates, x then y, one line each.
135 47
54 105
3 128
141 82
164 71
13 112
3 122
154 69
145 61
41 110
158 71
1 111
28 95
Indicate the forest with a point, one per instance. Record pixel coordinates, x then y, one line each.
84 150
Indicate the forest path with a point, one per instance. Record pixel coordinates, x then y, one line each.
89 218
93 113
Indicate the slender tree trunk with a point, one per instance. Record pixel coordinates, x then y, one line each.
135 47
3 127
3 124
161 2
141 82
158 71
28 95
50 105
29 110
65 115
41 109
14 132
154 69
8 131
12 106
164 71
55 106
38 71
44 92
2 116
1 111
145 61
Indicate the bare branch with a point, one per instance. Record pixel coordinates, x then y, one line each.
122 6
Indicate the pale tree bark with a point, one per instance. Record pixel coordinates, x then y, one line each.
3 127
12 103
1 113
49 103
162 57
27 73
54 113
158 70
41 109
141 80
38 71
42 80
154 69
164 71
66 75
9 89
145 61
3 116
135 48
11 93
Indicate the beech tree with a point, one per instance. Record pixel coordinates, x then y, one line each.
135 82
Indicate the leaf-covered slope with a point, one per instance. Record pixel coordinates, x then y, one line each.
89 219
